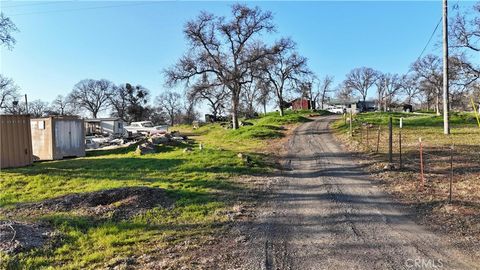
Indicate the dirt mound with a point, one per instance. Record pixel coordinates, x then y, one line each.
118 203
17 236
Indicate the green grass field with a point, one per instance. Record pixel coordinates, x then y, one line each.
200 182
464 128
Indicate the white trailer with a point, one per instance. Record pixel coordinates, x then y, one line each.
104 126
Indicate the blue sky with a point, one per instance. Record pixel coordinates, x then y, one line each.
61 43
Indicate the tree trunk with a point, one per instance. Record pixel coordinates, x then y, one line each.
312 108
379 101
265 108
280 106
385 103
235 101
437 103
214 112
364 100
280 101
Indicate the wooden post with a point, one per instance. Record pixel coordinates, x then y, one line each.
351 132
451 175
390 140
361 134
368 145
26 104
378 139
422 177
400 147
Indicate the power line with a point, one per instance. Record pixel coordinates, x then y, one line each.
455 7
430 39
85 8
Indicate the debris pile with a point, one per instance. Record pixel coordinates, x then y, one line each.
119 203
145 148
19 236
149 145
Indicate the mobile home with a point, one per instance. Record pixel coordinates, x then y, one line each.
104 126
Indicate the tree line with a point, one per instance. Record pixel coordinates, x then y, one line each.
230 69
227 59
93 97
422 84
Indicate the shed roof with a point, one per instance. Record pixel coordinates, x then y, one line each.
61 117
103 119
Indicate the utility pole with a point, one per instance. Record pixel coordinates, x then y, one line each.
446 124
26 104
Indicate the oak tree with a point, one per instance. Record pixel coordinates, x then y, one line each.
225 48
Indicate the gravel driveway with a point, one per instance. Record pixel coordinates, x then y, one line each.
327 214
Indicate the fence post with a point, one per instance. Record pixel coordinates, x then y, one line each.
390 139
400 147
368 145
451 174
351 132
378 138
422 177
361 133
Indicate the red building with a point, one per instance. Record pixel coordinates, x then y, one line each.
300 104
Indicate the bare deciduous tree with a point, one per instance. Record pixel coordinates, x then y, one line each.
324 89
156 114
464 35
249 96
390 86
8 92
226 49
171 103
188 114
16 107
282 68
380 85
465 32
62 106
410 88
361 80
428 70
344 94
264 95
92 95
214 93
6 29
38 108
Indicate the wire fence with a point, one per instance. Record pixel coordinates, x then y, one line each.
431 161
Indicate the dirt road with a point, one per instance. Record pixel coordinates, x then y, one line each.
328 214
